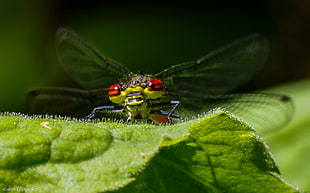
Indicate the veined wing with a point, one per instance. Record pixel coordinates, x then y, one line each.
264 112
220 71
85 64
65 101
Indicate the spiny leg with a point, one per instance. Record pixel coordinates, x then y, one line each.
169 114
116 109
172 115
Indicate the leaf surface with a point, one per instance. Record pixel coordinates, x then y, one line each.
213 153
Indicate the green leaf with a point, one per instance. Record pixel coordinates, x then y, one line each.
213 153
291 145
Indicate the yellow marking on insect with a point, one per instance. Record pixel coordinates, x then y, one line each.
45 125
134 89
153 94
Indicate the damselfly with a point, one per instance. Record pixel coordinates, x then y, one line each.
176 93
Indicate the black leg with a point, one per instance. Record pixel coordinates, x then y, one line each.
176 104
105 108
169 114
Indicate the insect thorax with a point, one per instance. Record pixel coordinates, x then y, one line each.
135 80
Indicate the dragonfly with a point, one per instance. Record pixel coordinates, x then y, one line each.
110 89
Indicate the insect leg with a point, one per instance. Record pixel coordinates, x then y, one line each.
172 115
105 108
176 104
169 114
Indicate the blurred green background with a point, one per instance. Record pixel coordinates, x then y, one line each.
146 37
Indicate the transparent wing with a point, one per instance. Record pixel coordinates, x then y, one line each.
264 112
85 64
65 101
220 71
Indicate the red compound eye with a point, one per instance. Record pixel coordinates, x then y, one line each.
114 90
155 85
